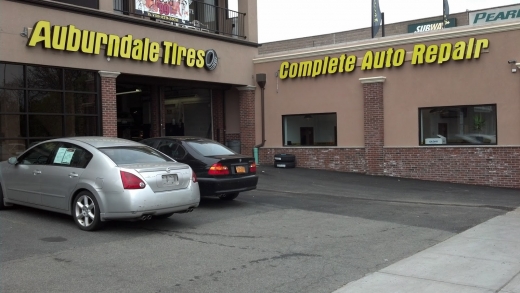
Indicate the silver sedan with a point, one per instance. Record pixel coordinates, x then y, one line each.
96 179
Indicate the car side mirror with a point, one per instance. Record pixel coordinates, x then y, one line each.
13 161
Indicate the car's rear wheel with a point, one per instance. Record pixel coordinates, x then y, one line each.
163 216
85 211
228 196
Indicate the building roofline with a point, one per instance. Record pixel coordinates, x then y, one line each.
370 44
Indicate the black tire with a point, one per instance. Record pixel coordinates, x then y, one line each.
284 164
85 211
163 216
2 205
228 196
284 158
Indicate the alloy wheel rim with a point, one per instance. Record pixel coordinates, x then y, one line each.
85 211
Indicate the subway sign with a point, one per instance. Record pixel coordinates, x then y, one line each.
422 54
494 15
430 26
69 38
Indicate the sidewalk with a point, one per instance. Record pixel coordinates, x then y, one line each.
485 258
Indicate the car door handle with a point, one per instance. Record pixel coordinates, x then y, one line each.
36 172
73 175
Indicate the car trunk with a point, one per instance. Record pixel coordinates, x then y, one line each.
238 165
163 176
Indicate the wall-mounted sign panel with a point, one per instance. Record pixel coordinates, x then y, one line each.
494 15
430 26
174 11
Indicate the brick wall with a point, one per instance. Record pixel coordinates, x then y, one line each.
217 104
374 126
492 166
108 103
232 136
351 36
335 159
246 97
489 166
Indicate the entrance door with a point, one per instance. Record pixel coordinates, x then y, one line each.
306 136
197 119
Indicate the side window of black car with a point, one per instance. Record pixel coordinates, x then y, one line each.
178 151
148 142
38 155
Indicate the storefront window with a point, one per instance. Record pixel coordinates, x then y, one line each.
460 125
310 129
11 76
39 103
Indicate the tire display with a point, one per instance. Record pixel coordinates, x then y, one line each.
284 161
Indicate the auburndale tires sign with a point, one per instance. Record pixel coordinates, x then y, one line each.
69 38
422 54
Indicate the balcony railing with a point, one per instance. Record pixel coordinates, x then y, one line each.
202 17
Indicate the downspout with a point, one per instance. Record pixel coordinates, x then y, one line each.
261 79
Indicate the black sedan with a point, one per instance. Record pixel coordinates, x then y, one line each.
220 171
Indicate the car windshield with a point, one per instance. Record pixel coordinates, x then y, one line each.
208 148
134 155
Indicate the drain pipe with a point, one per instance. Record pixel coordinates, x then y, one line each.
260 79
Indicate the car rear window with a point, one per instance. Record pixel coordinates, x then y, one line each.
134 155
208 148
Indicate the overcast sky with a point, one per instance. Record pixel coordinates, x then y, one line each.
289 19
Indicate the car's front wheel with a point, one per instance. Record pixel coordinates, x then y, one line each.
85 211
228 196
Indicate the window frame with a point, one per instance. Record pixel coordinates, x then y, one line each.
420 128
314 145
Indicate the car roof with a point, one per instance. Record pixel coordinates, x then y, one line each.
101 141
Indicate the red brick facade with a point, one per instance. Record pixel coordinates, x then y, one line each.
246 97
374 122
108 103
217 104
493 166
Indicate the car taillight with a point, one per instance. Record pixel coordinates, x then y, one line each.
130 181
193 177
252 168
218 169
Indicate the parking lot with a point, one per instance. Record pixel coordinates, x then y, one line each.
300 231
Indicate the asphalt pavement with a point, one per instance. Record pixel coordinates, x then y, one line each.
482 259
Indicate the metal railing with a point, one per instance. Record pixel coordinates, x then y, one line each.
202 17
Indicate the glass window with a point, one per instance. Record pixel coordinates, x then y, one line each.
148 142
80 103
39 155
172 149
80 125
45 102
12 126
12 148
80 80
12 101
209 148
310 129
48 78
134 155
45 126
71 155
458 125
11 76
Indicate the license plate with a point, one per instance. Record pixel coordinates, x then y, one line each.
170 179
281 165
240 169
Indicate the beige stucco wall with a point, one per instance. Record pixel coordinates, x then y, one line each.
234 67
487 80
